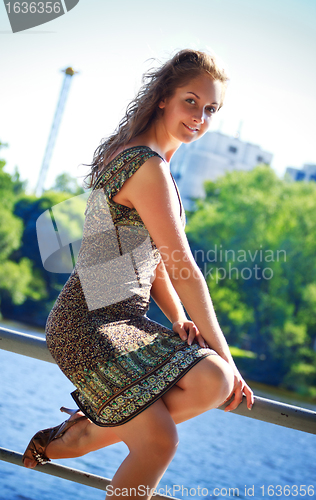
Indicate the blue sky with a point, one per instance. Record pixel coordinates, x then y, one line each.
269 48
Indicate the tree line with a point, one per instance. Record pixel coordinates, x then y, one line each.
254 238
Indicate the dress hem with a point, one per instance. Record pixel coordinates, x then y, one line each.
144 407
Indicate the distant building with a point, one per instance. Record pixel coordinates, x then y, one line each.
208 158
307 173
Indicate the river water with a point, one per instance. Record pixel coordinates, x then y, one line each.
220 455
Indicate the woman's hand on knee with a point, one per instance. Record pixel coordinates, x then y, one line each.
188 331
240 389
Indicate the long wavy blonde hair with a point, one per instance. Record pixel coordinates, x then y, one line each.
157 84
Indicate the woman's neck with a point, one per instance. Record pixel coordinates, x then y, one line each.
158 140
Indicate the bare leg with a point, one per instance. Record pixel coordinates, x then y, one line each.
205 386
152 440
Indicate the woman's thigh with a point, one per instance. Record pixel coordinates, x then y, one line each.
212 375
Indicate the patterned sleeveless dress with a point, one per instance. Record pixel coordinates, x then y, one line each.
119 360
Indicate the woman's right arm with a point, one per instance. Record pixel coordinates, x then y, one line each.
151 191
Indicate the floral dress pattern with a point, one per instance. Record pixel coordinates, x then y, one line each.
119 360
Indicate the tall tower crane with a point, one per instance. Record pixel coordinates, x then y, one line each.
69 73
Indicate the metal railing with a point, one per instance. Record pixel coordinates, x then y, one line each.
266 410
75 475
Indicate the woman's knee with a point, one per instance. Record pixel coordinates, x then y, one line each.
224 379
153 432
164 441
213 381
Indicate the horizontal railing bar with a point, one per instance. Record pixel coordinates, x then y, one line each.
275 412
25 344
68 473
263 409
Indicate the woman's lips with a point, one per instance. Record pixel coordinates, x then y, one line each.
191 128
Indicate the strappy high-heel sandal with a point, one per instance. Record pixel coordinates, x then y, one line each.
36 449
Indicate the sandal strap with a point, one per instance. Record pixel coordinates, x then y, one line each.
37 446
41 458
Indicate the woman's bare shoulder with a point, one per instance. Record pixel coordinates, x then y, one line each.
132 144
151 192
152 176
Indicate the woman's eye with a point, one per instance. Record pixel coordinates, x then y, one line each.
191 101
211 110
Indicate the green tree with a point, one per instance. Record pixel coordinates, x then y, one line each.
254 236
16 275
65 183
27 290
19 186
70 217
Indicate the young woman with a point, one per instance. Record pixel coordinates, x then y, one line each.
136 379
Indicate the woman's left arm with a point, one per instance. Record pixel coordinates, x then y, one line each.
168 301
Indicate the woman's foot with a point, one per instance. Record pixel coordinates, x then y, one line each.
81 439
67 446
37 450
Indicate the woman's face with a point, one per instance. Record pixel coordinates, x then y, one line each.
187 115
